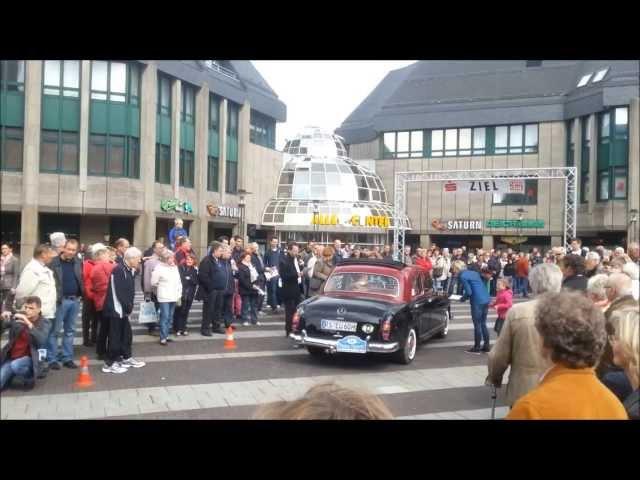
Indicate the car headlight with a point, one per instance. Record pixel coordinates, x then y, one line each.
368 328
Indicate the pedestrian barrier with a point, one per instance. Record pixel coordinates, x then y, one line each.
84 377
229 342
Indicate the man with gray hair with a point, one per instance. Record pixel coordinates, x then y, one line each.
118 307
519 344
597 291
620 293
592 265
58 241
633 250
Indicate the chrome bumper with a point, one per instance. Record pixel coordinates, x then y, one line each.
372 347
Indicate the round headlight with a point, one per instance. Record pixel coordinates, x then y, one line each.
367 328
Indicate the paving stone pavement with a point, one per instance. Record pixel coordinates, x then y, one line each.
195 377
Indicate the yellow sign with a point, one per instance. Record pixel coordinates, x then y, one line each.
378 221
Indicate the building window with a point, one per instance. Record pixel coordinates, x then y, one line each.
569 125
188 102
613 154
403 144
213 172
186 169
232 148
516 139
262 130
585 156
164 95
62 77
114 156
232 177
117 82
214 113
59 152
12 75
11 114
530 197
11 141
163 164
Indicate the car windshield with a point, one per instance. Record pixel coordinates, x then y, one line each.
362 282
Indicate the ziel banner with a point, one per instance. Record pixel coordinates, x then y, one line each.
508 185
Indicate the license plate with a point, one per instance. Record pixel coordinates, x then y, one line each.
351 344
336 325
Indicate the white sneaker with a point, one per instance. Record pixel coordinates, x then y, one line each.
245 324
114 368
132 362
261 313
258 324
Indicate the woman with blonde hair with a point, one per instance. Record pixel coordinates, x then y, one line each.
321 271
328 402
625 343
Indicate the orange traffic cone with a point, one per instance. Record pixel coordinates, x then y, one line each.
229 342
84 378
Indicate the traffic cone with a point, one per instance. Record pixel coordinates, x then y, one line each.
84 378
229 342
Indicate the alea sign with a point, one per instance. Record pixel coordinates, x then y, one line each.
378 221
493 186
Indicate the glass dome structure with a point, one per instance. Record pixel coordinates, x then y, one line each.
318 178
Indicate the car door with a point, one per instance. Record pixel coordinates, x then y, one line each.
419 305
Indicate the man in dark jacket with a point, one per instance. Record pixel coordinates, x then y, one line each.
67 270
28 332
495 267
291 275
258 264
572 267
271 262
118 306
230 287
213 281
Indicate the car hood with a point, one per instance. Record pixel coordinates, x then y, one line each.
356 309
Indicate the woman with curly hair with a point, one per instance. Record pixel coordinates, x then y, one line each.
573 338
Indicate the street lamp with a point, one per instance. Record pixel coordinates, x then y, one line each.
242 193
316 226
520 211
633 220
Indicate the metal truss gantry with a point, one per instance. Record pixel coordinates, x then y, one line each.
545 173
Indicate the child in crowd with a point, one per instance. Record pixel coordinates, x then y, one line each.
502 303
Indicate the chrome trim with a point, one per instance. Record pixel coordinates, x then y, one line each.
372 347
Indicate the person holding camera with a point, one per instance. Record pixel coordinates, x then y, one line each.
28 333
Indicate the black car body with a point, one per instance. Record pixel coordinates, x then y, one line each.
372 306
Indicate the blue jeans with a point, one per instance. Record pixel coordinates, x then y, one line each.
249 313
20 367
167 309
480 331
66 315
272 292
524 286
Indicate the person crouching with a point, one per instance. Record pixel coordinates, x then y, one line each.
28 332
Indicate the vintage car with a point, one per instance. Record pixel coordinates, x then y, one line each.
372 306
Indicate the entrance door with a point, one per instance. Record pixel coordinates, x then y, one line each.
121 227
53 222
10 230
217 230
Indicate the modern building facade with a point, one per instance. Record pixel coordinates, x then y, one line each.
474 115
323 195
108 149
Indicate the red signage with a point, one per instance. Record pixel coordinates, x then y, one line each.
450 187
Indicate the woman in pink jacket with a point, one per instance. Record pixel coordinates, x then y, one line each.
502 303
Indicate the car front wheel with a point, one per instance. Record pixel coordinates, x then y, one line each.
408 351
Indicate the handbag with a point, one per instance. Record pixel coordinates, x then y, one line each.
315 283
148 313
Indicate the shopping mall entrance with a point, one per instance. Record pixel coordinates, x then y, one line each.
457 241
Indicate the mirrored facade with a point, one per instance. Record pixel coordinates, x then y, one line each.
319 179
